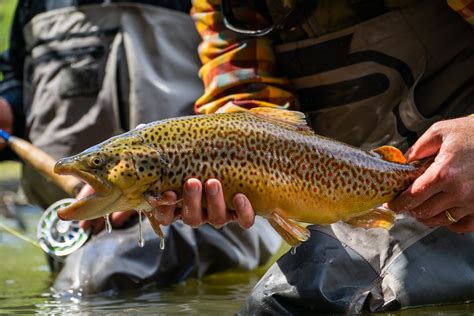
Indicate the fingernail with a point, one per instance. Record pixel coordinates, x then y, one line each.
239 202
212 188
191 187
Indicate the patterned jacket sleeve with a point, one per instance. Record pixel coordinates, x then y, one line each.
464 8
237 70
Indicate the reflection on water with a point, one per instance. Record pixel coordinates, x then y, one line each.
194 297
25 289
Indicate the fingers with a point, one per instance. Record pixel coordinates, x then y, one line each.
244 210
443 219
164 208
85 224
118 219
217 212
424 187
435 205
96 225
427 145
218 215
464 225
192 213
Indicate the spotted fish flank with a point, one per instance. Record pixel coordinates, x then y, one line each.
288 173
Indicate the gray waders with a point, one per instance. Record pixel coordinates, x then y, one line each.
380 82
99 70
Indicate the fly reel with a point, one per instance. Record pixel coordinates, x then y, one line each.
60 238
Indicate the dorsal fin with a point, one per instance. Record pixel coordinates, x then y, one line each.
290 119
391 153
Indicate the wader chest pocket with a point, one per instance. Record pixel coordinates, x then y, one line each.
79 81
79 73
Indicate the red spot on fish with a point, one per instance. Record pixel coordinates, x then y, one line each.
303 166
329 174
315 190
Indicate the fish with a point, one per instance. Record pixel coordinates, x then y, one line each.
290 174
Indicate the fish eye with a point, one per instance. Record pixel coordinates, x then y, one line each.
95 162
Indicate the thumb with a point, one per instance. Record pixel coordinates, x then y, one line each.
427 145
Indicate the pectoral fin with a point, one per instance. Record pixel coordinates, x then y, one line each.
154 224
376 218
289 230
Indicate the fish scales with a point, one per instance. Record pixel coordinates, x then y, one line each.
287 172
275 166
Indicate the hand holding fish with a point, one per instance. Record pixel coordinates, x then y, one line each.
192 212
271 156
444 194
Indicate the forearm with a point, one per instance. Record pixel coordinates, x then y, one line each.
236 70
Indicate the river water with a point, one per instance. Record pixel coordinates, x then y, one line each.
25 289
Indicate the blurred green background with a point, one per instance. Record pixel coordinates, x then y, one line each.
7 8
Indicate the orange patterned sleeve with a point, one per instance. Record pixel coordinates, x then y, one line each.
237 70
465 8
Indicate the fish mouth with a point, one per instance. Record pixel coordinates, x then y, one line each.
92 206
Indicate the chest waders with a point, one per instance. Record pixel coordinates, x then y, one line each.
380 82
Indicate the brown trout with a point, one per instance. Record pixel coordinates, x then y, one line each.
289 173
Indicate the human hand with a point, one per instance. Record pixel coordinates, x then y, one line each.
192 213
6 119
444 194
117 219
